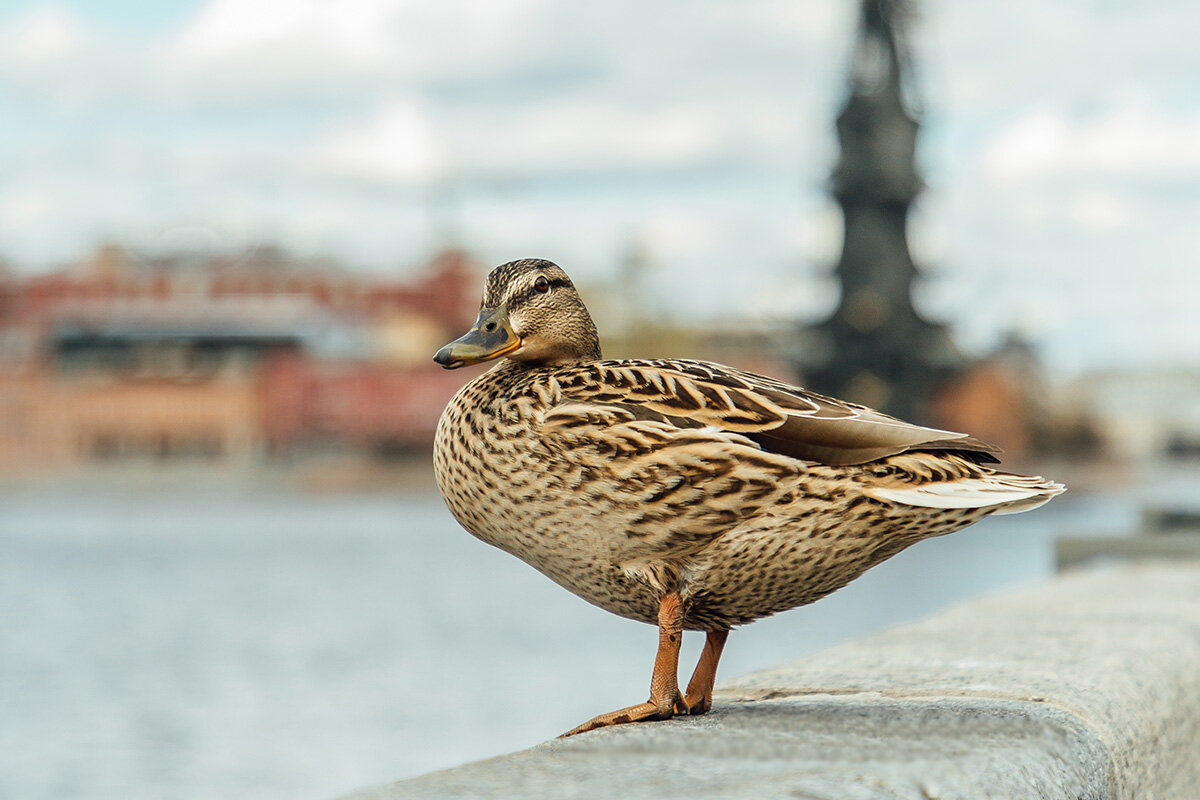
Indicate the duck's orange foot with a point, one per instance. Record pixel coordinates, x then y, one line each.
642 712
700 689
698 705
665 700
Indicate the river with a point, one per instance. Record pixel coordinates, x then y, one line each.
250 642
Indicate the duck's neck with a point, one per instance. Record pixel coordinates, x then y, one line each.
571 359
560 354
556 362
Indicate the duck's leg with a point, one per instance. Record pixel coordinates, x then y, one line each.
700 688
664 683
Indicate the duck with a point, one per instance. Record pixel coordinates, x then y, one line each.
684 494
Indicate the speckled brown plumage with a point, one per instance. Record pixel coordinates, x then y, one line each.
627 482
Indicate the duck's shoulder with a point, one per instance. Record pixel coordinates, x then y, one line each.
695 384
658 377
632 378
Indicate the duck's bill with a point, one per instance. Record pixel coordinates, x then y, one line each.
490 337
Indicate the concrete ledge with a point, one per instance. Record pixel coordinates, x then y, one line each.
1085 687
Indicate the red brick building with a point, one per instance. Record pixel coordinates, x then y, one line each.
220 357
365 405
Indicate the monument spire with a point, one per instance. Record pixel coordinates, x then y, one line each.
875 348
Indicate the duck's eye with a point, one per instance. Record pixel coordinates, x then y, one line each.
541 285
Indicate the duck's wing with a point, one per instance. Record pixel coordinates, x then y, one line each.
675 488
778 417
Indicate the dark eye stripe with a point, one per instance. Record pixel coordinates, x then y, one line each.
530 292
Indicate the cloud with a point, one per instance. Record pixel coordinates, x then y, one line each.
43 35
396 144
233 52
353 36
993 60
1100 210
406 141
49 55
1131 141
601 134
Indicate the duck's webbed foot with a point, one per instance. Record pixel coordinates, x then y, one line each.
665 700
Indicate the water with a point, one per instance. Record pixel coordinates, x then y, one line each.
263 644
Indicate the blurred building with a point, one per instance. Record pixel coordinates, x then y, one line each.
1004 398
1143 415
217 357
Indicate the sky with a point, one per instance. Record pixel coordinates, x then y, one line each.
1060 145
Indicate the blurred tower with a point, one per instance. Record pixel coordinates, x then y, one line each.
876 349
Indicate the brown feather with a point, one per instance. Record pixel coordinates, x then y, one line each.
778 417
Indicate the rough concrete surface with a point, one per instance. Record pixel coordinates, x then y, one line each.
1085 687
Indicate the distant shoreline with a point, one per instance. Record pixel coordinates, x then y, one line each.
335 473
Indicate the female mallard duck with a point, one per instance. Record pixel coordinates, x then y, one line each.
683 493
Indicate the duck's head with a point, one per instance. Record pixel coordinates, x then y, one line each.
530 313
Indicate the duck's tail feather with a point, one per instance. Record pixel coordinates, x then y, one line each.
1005 494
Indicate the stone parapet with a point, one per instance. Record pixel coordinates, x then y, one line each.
1087 686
